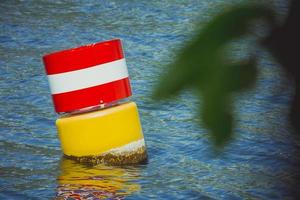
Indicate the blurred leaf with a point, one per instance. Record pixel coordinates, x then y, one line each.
202 65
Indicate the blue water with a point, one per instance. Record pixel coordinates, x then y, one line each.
259 163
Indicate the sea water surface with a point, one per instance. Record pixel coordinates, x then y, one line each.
259 163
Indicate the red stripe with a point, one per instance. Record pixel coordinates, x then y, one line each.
92 96
83 57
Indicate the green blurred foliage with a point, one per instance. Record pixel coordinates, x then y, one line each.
203 65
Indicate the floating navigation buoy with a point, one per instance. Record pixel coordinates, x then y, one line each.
89 87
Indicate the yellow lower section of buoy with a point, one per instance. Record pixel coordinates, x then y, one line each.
99 132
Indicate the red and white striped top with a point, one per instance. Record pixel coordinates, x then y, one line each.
87 76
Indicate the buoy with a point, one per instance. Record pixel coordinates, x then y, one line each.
89 86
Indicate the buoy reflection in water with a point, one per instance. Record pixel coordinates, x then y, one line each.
79 181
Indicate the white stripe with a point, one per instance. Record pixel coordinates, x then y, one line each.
89 77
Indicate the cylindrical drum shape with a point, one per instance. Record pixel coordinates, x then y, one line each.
87 76
94 76
113 136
